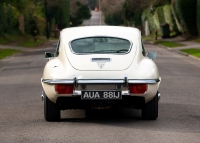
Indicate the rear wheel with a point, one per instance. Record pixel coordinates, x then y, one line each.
88 112
150 109
51 110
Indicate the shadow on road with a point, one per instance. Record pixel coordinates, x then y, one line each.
112 115
170 118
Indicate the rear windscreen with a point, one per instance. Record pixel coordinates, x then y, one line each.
100 45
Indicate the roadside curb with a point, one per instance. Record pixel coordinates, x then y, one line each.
177 51
188 55
24 49
9 57
14 47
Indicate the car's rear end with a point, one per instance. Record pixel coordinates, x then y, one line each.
102 69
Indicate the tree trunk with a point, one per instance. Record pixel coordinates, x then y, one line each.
21 23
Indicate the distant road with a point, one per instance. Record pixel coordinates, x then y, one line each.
95 19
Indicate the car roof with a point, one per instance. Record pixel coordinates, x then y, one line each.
128 33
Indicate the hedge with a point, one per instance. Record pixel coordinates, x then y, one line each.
198 16
186 10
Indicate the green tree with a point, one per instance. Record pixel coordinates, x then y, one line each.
10 19
83 12
57 12
114 19
93 3
62 15
6 18
128 12
186 11
198 16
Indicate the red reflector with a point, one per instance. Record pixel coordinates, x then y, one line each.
137 88
64 88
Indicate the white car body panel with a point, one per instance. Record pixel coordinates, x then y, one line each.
115 58
132 65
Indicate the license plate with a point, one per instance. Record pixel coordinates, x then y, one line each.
101 95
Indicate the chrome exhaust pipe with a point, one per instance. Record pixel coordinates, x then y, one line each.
159 96
42 96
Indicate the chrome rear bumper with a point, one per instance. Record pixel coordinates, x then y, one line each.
42 96
102 81
159 96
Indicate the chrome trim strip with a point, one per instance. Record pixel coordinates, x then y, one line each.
58 81
148 81
42 96
159 96
106 81
101 59
78 92
100 81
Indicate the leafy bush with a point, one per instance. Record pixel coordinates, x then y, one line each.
170 19
31 25
8 23
160 16
62 14
137 19
198 16
186 10
114 19
40 24
152 19
82 13
176 17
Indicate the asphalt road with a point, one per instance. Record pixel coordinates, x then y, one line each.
95 19
21 108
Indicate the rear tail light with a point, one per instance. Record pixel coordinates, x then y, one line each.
64 88
137 88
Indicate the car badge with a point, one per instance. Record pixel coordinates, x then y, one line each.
101 64
101 61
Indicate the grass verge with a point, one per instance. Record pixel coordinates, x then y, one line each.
22 40
7 52
192 51
32 43
168 44
150 37
3 40
197 40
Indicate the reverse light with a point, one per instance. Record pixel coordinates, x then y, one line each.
137 88
64 88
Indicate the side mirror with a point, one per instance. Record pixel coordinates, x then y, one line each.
48 55
152 55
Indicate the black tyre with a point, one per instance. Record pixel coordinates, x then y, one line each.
51 110
88 112
150 109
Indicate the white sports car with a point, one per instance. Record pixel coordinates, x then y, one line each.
98 67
